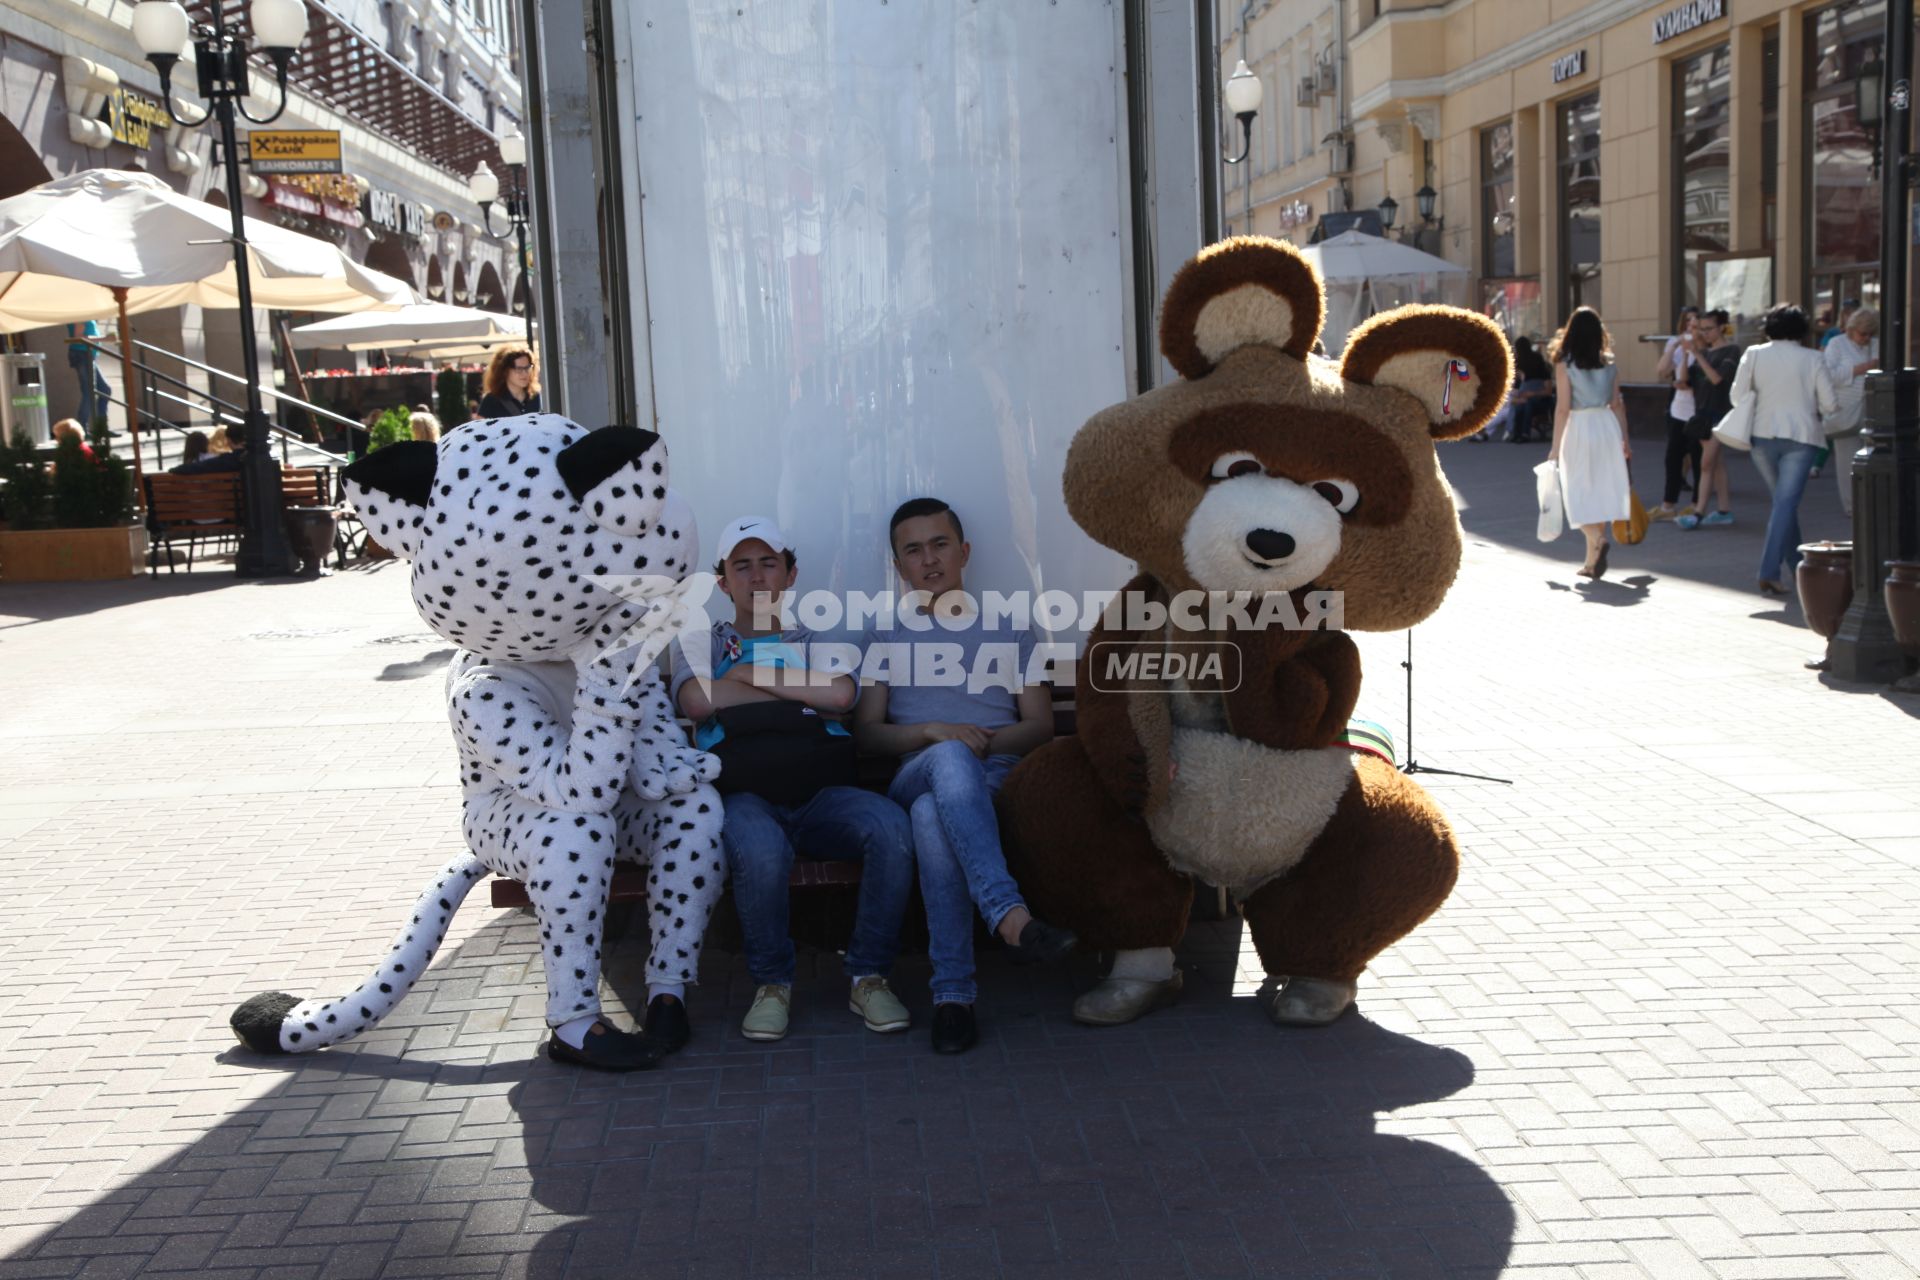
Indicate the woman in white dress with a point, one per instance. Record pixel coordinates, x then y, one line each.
1590 433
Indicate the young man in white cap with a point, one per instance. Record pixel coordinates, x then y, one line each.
776 803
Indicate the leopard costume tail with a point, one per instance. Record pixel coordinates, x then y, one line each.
275 1022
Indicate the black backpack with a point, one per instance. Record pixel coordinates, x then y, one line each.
781 751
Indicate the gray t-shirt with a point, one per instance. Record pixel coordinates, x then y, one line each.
967 675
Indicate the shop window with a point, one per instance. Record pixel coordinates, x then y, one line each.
1702 87
1580 203
1497 200
1770 137
1843 224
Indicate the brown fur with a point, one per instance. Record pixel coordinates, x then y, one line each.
1230 264
1075 812
1384 864
1084 863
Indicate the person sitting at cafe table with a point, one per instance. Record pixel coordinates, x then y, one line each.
233 460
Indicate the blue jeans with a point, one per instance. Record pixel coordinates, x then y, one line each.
95 393
956 838
839 824
1785 466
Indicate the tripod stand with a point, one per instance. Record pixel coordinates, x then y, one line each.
1412 765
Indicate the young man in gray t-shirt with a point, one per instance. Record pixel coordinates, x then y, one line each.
951 698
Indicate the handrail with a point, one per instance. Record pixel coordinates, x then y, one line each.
296 401
220 409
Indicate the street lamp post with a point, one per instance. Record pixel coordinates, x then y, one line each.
486 190
1243 94
1886 471
165 33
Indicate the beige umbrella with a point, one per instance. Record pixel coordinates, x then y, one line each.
103 240
426 325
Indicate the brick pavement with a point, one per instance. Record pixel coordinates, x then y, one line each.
1665 1027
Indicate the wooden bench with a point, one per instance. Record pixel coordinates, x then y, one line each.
190 508
630 881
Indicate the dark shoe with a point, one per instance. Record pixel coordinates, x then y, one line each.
1600 565
1040 943
607 1049
667 1024
954 1030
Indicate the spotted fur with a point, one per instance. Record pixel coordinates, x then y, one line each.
569 755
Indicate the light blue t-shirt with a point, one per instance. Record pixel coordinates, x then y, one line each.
970 674
727 648
1592 388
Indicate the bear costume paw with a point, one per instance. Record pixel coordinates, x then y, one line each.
256 1024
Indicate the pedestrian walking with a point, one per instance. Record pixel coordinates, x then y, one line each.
1849 357
1715 358
1791 391
1683 451
1590 433
83 358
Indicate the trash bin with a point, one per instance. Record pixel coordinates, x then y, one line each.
23 400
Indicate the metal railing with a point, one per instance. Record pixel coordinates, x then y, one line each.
157 388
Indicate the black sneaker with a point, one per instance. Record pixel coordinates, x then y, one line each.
667 1025
607 1049
954 1030
1040 943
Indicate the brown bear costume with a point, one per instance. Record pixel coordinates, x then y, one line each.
1264 470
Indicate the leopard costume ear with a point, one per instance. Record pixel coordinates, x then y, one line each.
1242 291
1455 363
390 489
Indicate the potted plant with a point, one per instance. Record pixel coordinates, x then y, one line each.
75 523
450 393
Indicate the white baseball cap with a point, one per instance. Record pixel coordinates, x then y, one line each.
749 527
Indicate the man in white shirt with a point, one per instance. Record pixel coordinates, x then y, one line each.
1682 449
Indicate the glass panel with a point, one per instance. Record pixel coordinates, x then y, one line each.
1701 85
1497 207
1516 306
1846 197
1844 38
1580 201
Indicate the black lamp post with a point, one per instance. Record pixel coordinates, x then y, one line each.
1243 93
1886 471
486 190
1423 201
1389 209
165 33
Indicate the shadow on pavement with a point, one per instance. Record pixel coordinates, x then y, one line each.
1202 1140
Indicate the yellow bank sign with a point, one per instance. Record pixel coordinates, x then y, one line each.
133 117
294 150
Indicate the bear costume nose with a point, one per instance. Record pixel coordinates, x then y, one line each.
1270 544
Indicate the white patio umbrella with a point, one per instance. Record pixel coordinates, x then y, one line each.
424 326
68 246
104 240
1358 269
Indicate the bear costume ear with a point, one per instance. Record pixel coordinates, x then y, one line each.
1242 291
1455 363
390 488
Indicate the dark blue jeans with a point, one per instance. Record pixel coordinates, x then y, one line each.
95 393
839 824
1784 465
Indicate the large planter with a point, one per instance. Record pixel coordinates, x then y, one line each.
1902 592
72 555
1825 582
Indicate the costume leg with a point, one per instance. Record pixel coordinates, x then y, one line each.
565 860
1384 863
1084 864
678 837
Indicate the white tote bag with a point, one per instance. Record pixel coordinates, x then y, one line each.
1736 429
1553 514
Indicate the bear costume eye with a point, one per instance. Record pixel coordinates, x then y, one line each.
1341 493
1230 465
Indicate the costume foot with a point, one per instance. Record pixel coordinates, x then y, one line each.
954 1028
667 1025
1309 1002
1120 1000
256 1024
606 1049
1040 942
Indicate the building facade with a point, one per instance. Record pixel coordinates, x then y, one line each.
418 89
1628 155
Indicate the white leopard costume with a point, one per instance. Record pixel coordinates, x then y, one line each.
569 759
